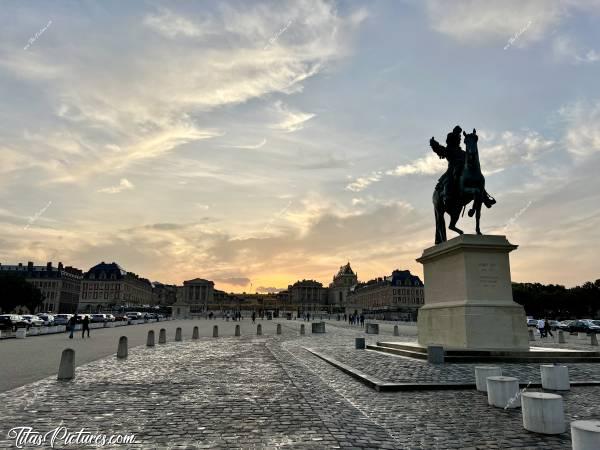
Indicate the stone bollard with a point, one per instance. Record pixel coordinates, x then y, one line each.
162 336
481 374
178 334
302 329
543 413
259 330
237 330
150 339
561 337
503 392
435 354
585 434
66 369
594 340
278 328
531 335
555 377
396 331
360 344
21 333
122 349
195 333
318 327
216 331
372 328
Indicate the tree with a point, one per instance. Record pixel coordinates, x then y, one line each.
16 291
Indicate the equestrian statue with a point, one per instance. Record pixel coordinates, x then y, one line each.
460 185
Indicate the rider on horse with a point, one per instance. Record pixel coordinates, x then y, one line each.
448 184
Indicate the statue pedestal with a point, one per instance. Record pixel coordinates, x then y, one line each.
468 296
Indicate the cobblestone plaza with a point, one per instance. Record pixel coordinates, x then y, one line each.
269 391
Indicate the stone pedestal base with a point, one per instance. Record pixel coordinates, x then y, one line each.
468 296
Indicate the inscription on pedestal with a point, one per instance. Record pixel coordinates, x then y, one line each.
488 275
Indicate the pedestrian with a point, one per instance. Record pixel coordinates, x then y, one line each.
547 328
362 320
85 326
308 317
253 316
71 325
541 325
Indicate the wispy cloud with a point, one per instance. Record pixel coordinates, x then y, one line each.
123 185
290 120
362 183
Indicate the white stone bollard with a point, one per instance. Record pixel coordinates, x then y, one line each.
302 329
259 330
21 333
503 392
543 413
196 333
585 434
33 331
278 328
396 331
43 330
216 331
122 349
237 330
178 337
593 340
481 374
531 335
555 377
150 339
561 338
66 369
162 336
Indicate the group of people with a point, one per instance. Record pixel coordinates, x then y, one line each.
544 328
356 319
85 326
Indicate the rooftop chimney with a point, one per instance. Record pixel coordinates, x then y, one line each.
60 265
49 266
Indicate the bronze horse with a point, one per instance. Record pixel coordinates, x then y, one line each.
469 187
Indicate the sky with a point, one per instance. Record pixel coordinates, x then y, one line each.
259 143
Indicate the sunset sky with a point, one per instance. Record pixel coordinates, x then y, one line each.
258 143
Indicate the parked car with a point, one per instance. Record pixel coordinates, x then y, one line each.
12 322
554 324
80 317
48 319
532 323
121 317
565 324
110 317
62 319
97 318
583 326
32 320
135 316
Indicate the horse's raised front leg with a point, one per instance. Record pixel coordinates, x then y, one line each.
454 215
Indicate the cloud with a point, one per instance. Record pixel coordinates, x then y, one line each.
479 22
249 146
291 120
234 281
172 25
123 185
566 49
582 128
429 165
362 183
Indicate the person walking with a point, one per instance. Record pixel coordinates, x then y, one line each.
71 324
362 320
547 328
541 325
253 316
85 326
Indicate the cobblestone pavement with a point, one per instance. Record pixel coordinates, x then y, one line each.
267 392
